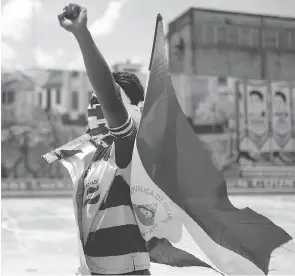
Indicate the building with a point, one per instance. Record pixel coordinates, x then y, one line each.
63 91
217 60
217 43
68 93
17 91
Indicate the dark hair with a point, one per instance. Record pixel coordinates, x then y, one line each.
257 93
131 86
282 95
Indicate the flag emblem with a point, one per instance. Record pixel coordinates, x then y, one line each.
146 213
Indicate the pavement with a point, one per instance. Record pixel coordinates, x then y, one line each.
38 236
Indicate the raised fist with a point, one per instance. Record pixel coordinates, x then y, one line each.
73 18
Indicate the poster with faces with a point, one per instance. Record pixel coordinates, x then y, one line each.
281 116
257 114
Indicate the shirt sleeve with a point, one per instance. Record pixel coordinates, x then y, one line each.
124 139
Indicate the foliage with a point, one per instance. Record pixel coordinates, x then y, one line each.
25 139
214 110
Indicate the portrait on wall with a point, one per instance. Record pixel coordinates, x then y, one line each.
257 114
281 117
253 123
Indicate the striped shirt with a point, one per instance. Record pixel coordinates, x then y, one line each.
114 244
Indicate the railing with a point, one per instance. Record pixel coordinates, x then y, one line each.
63 187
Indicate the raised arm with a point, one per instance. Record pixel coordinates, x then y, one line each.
74 19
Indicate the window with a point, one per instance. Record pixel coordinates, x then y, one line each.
174 42
292 41
283 40
245 37
199 33
8 97
58 96
40 99
221 35
75 74
210 34
269 39
255 37
222 81
75 100
48 98
233 35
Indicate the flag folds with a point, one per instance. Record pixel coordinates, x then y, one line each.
178 193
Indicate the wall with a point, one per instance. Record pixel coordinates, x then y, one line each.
226 44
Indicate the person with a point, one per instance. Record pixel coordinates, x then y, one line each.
280 104
256 107
113 243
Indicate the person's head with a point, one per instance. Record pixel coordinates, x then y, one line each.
131 93
280 102
256 96
256 105
131 87
280 97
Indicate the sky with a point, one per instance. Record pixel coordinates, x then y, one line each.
122 29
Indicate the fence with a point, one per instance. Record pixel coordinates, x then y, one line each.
32 187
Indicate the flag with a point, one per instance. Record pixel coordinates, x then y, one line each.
180 196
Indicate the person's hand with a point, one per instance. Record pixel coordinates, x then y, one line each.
73 18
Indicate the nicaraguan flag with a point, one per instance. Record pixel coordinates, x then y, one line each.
178 192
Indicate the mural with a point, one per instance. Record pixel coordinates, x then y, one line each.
249 123
269 127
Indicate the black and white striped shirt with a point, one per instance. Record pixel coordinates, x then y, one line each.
114 244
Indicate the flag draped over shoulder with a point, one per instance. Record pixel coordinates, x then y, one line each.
178 192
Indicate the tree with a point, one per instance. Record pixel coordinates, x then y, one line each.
214 110
208 112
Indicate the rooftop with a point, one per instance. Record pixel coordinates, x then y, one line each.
226 12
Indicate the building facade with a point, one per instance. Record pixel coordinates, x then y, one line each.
62 91
234 76
216 43
66 92
17 92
